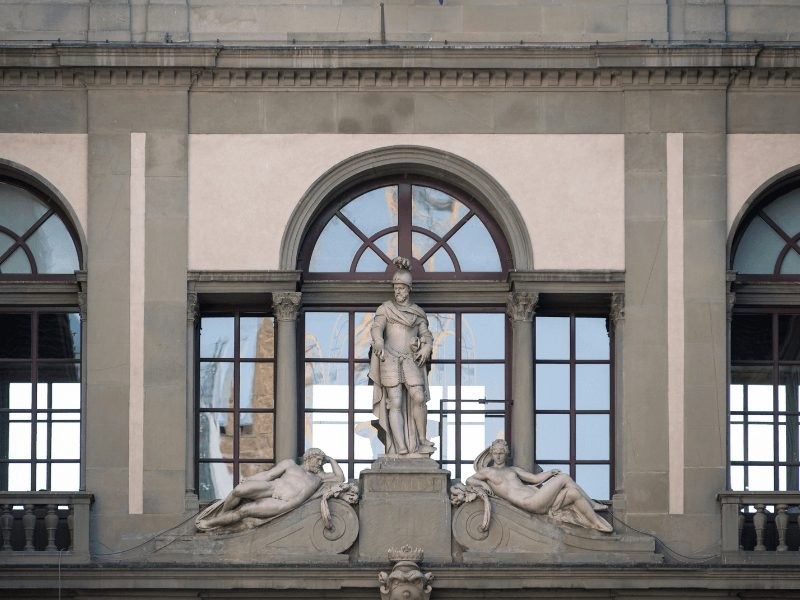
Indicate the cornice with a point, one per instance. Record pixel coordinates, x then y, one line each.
211 67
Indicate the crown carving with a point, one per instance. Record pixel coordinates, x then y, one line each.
405 553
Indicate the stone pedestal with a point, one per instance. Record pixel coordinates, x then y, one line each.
405 501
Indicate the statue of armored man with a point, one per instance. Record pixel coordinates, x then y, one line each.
401 348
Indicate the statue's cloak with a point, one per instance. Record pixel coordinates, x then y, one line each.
406 315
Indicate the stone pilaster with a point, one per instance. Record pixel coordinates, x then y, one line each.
520 309
192 314
285 306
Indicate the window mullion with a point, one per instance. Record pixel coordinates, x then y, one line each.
404 244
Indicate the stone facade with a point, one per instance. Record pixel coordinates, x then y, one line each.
617 142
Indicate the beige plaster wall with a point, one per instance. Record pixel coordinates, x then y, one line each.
753 161
568 188
62 159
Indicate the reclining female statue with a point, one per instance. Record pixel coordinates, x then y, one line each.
550 493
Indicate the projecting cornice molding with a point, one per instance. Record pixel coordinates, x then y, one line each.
399 67
387 79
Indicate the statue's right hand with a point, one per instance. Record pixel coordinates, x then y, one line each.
379 352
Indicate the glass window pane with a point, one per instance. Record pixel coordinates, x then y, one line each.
15 341
6 242
761 479
443 329
216 385
256 385
791 263
483 336
19 477
482 382
474 247
591 338
16 392
751 337
737 442
256 432
388 244
373 211
592 437
41 477
737 397
256 337
737 478
66 441
552 437
783 211
758 249
60 336
363 389
216 337
760 443
478 432
216 480
420 244
552 338
594 479
442 387
328 432
756 385
367 445
326 334
788 337
435 210
19 209
789 380
440 262
592 387
552 387
335 248
216 435
58 373
53 248
18 263
326 386
363 337
371 262
19 440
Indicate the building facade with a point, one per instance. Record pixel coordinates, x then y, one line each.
199 206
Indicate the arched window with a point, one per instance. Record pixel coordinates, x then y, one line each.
40 344
449 238
765 344
446 234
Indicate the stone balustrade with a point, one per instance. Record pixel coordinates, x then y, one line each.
44 526
759 525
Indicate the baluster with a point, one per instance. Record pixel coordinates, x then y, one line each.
760 521
70 525
6 523
741 526
781 523
51 523
29 524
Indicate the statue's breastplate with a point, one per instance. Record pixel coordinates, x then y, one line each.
398 338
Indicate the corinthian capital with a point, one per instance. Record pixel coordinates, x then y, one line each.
285 305
520 305
617 312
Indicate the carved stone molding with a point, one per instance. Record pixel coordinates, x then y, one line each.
286 305
192 309
521 305
617 312
730 298
394 79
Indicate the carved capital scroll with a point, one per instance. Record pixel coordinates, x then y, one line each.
617 312
521 305
285 305
192 310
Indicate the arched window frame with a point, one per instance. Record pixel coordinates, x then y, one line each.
762 309
37 294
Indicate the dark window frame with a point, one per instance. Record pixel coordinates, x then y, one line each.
236 312
573 411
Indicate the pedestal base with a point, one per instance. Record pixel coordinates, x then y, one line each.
405 501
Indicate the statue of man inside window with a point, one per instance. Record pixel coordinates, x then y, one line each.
401 348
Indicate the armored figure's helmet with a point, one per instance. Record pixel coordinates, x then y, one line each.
403 272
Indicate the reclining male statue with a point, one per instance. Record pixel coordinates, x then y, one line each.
551 492
271 493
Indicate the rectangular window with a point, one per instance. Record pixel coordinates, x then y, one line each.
763 397
236 399
573 381
467 387
40 400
